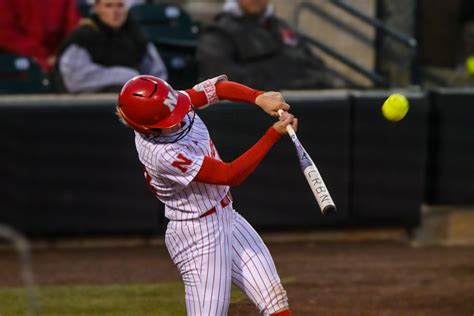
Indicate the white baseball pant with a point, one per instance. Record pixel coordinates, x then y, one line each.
213 251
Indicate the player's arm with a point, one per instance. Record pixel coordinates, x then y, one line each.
217 89
214 171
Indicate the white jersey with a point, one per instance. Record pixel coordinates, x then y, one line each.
171 168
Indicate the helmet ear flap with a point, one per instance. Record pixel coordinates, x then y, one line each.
128 122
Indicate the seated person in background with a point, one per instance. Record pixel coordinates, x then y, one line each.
251 45
36 29
106 51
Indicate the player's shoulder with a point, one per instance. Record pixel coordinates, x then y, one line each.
146 147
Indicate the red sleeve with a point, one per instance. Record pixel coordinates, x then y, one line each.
233 91
225 90
198 98
214 171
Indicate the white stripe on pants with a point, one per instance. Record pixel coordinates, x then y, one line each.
212 251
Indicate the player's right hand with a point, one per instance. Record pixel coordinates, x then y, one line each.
271 102
285 120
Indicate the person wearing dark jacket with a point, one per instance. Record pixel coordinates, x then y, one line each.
106 51
249 44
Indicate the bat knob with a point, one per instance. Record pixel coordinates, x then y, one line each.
329 209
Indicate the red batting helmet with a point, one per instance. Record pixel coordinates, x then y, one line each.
147 102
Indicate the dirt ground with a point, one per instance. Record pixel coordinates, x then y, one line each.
323 277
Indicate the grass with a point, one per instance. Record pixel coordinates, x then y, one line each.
118 300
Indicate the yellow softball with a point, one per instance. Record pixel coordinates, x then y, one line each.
395 107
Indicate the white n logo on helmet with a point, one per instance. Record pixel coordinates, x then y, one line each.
171 100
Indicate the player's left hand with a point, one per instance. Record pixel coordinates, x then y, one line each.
271 102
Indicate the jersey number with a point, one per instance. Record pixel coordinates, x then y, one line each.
181 162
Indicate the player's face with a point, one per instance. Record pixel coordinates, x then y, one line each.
253 7
112 12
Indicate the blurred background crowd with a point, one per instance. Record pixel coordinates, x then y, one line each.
76 46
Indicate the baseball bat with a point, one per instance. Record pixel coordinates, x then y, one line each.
310 171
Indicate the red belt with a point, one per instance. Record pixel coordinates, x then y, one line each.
224 202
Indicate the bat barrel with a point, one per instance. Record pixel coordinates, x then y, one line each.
312 175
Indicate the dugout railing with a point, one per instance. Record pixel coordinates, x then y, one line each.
382 30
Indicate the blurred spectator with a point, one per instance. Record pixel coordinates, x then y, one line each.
36 29
106 51
251 45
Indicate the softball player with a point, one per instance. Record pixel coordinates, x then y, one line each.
210 243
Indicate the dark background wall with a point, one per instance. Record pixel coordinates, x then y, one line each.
388 161
68 167
450 173
75 170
